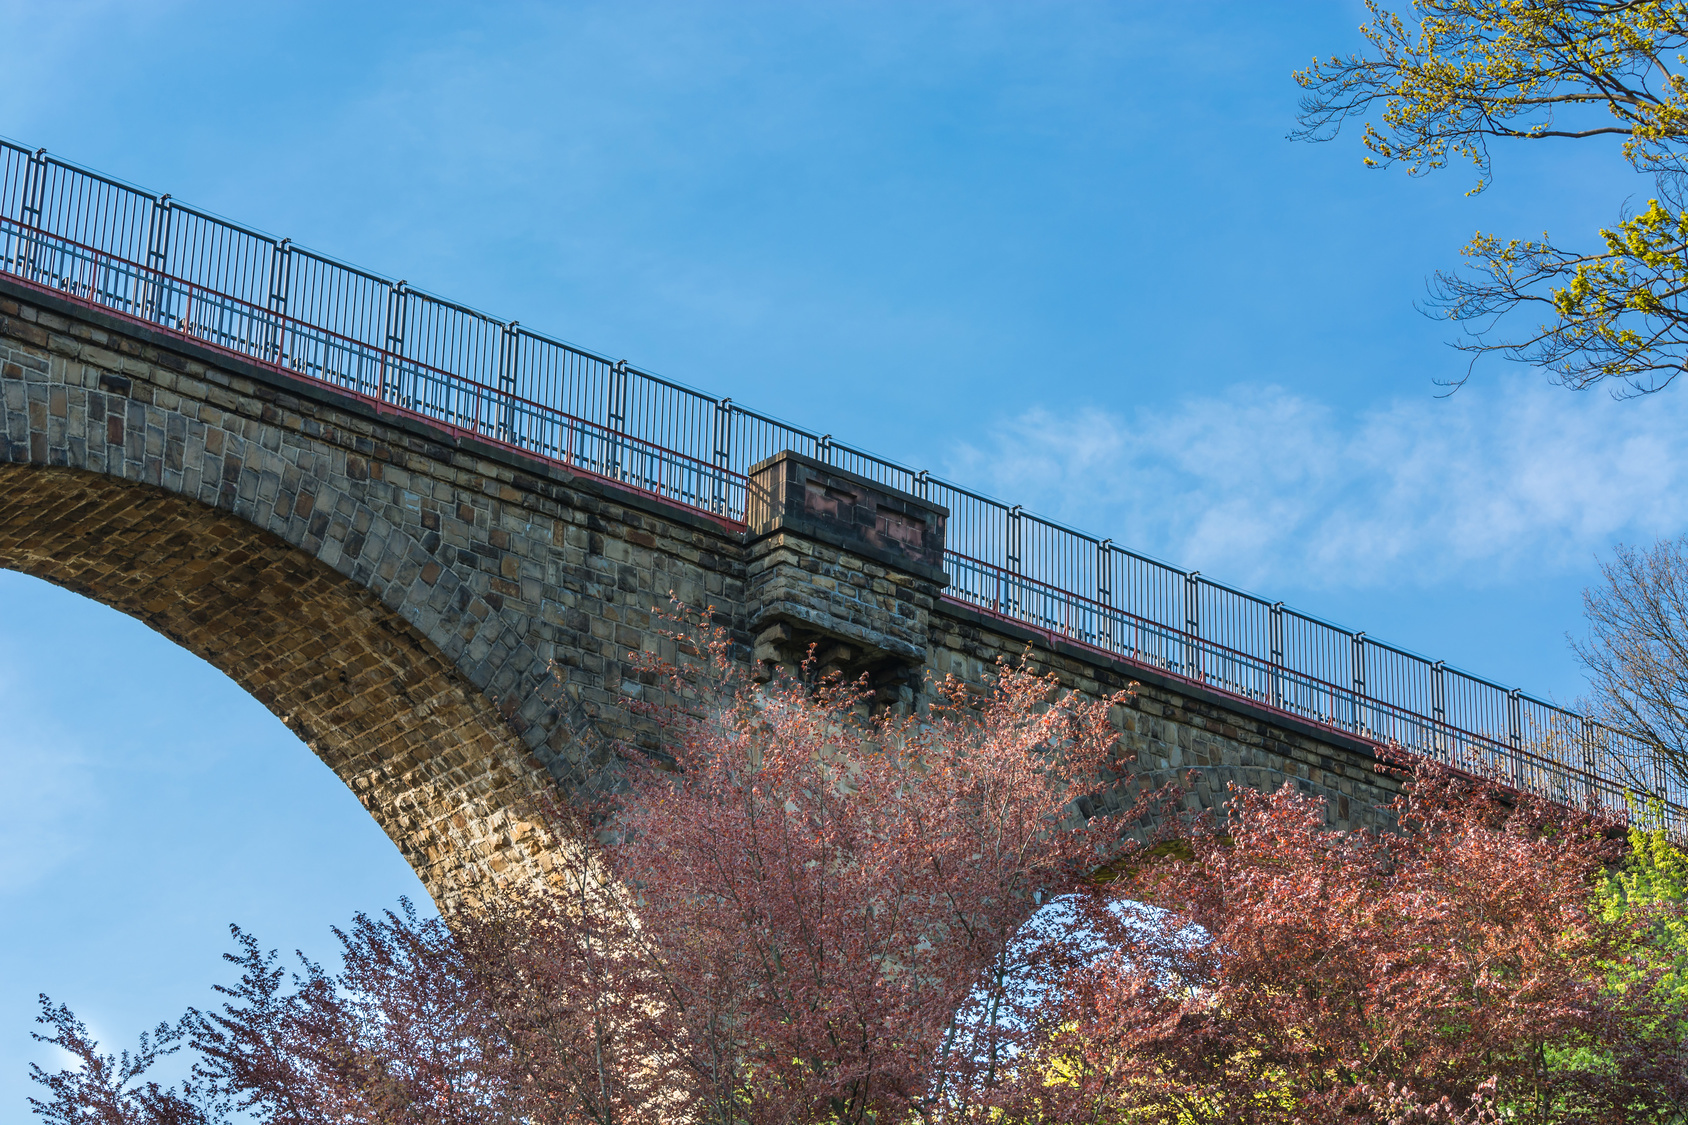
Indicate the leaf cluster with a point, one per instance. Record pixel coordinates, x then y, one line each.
1475 70
1468 72
1616 313
1464 968
825 887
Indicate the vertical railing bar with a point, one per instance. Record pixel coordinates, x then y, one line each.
1192 624
1516 733
723 453
35 188
508 344
1276 643
615 414
393 345
1357 670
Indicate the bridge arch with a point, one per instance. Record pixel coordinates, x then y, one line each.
425 751
447 626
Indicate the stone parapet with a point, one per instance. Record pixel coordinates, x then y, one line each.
793 493
843 569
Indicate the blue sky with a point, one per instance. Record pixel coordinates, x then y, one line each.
1061 252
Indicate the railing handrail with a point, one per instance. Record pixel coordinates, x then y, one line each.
1239 655
1590 781
374 350
430 357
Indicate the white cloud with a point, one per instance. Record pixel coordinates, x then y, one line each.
1261 484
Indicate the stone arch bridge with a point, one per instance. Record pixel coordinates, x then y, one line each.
435 575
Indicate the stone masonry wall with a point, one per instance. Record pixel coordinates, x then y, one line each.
449 624
1176 731
141 470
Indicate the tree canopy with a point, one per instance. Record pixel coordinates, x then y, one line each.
1442 87
800 911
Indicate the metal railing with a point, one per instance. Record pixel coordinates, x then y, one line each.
157 260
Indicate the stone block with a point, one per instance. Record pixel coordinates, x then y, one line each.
828 505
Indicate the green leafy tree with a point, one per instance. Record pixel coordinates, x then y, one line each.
1442 87
1650 889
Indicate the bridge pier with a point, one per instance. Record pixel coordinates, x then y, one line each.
843 567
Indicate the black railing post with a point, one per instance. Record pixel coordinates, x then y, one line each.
1589 762
392 373
34 190
157 300
1193 623
34 187
158 235
723 455
1105 593
281 284
1515 733
1011 559
615 417
1275 642
1439 708
509 354
1357 665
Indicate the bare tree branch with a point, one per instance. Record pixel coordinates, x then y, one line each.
1636 652
1471 71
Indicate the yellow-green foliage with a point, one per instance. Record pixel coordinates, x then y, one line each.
1652 885
1438 88
1474 69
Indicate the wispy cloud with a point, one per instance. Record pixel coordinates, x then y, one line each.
1261 484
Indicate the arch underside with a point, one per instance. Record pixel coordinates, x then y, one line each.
428 755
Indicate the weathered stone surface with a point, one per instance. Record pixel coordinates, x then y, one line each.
449 625
1177 730
239 513
843 571
826 504
430 756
